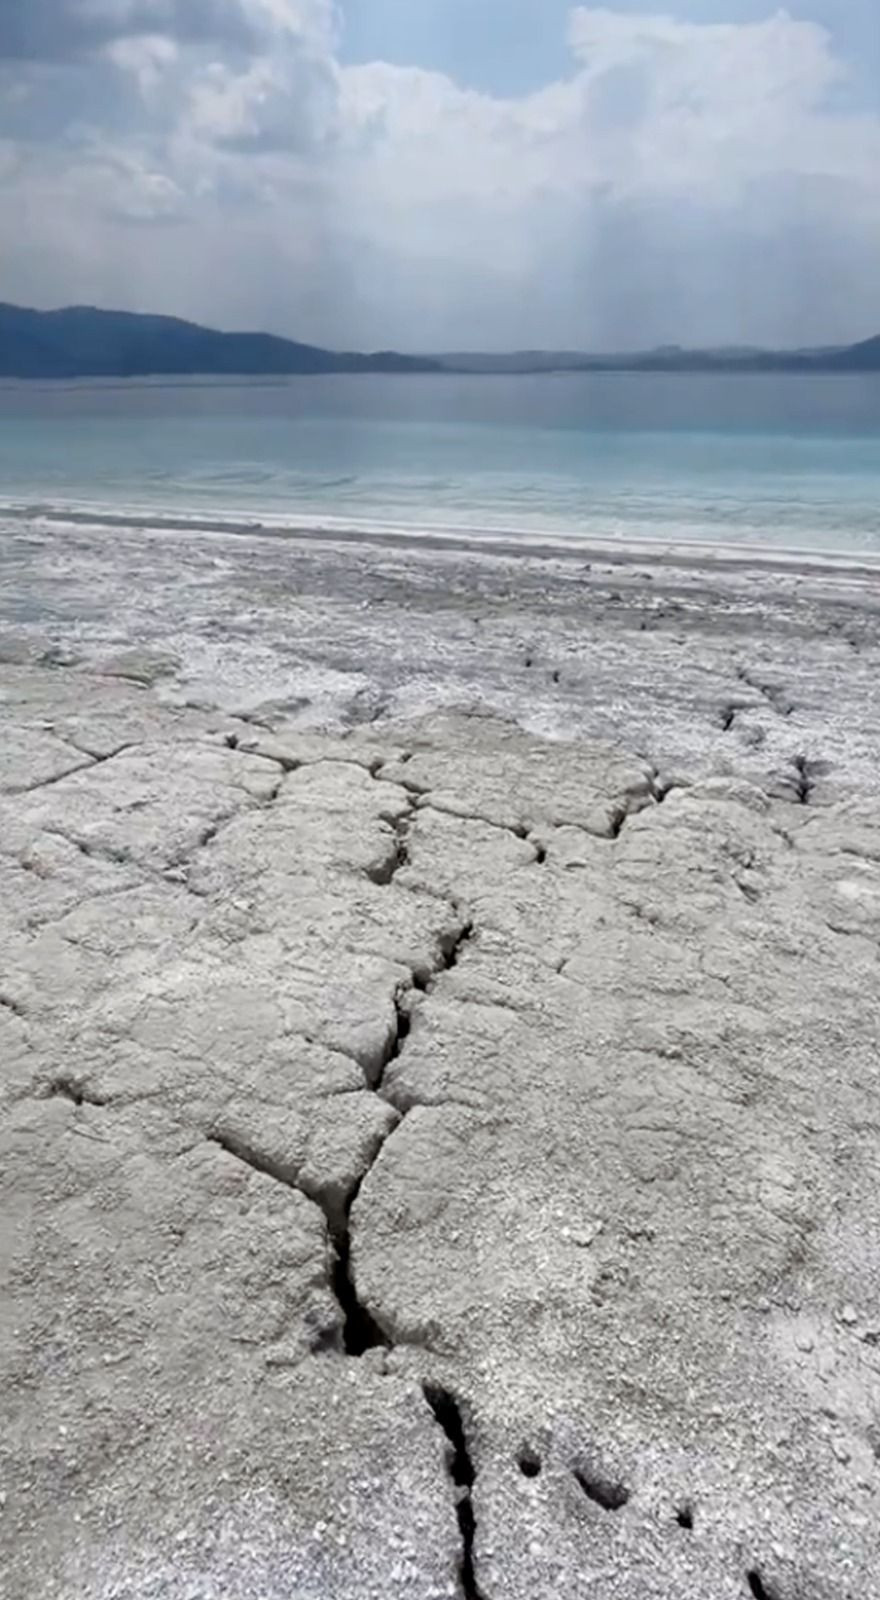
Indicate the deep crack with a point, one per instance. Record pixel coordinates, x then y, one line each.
360 1330
450 951
619 817
396 1044
422 982
448 1414
453 947
803 784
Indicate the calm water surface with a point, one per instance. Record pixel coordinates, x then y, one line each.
779 460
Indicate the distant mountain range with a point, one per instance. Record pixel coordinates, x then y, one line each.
82 342
864 357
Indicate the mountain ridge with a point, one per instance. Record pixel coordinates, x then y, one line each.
88 342
85 342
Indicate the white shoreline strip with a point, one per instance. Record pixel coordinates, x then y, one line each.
629 549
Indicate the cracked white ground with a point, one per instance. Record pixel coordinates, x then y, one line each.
439 1023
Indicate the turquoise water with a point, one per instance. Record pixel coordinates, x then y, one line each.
775 460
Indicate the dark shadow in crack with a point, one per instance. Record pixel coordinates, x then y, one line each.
448 1414
804 781
398 856
360 1330
66 1088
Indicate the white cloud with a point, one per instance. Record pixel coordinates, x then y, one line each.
692 181
146 57
634 200
713 104
284 102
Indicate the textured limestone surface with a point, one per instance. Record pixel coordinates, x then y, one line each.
436 1160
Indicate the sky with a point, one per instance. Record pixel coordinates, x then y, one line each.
449 174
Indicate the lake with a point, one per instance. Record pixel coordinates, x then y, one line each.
778 460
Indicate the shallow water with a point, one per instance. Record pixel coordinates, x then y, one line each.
774 460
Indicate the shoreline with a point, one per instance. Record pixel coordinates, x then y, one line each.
709 662
510 543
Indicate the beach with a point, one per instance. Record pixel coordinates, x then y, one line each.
439 1018
705 660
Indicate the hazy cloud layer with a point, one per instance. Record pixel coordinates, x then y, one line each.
705 182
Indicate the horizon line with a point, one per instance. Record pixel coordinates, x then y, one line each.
666 346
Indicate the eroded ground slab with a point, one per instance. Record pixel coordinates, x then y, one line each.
436 1161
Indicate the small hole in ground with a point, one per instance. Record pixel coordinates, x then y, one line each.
684 1516
758 1588
232 741
610 1496
529 1463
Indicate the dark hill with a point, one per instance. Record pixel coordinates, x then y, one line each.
864 357
81 342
